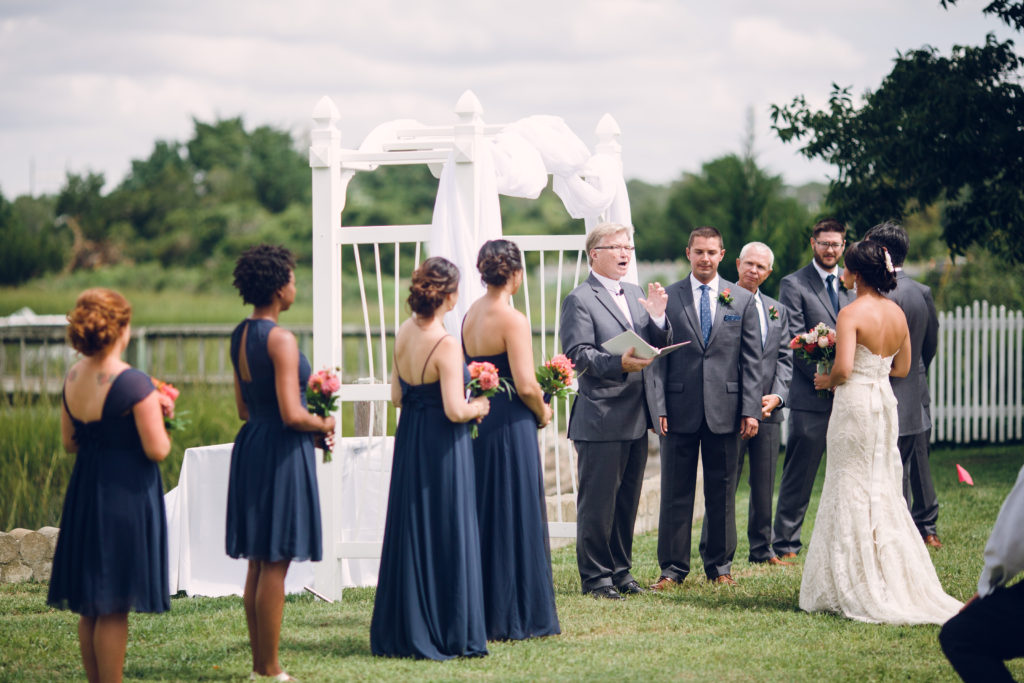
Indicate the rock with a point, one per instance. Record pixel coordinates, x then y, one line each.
34 548
16 572
8 548
41 570
51 533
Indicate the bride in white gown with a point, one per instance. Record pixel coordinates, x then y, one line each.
866 560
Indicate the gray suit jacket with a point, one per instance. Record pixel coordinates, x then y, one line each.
914 407
720 382
611 405
804 295
776 356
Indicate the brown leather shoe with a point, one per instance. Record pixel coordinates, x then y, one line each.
664 583
724 579
787 556
778 562
932 541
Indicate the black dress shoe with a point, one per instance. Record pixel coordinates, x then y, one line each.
631 588
606 592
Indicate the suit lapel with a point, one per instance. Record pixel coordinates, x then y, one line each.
720 310
633 305
605 297
818 285
686 299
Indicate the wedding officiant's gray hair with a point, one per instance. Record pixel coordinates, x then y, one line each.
758 246
602 230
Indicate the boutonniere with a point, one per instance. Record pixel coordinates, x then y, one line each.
725 296
842 287
773 313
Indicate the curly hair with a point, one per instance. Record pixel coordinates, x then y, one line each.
436 278
262 270
868 259
498 261
97 320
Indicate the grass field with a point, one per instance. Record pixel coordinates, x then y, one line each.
753 632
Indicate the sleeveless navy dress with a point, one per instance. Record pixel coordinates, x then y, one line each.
519 596
273 501
111 554
429 602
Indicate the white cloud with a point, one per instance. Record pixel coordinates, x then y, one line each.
770 44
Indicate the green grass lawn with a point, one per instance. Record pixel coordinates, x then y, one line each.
751 632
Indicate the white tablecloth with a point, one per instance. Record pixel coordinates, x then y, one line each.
196 513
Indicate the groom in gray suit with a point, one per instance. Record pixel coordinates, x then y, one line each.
712 399
619 399
814 294
912 391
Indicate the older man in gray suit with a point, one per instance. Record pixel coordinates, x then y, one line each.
619 399
713 398
811 295
914 405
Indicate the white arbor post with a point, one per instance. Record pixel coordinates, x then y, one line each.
328 202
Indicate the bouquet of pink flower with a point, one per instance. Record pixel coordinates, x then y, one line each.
555 377
485 381
322 397
172 422
817 345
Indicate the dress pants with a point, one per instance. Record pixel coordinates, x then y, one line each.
611 474
988 632
917 481
718 454
805 445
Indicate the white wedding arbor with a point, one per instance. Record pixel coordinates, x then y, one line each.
475 162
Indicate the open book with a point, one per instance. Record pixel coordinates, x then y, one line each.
621 343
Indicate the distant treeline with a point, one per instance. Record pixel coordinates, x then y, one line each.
197 204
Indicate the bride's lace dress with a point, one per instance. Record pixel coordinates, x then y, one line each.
866 559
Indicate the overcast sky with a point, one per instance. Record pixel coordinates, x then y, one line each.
92 85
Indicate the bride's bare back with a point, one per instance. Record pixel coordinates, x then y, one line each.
875 323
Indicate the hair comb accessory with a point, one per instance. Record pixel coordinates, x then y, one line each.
888 261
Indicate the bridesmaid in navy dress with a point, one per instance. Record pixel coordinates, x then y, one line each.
273 514
519 596
111 554
430 602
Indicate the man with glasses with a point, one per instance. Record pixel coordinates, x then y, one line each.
814 294
619 399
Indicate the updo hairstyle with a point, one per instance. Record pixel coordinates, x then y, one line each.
867 259
262 270
97 320
498 261
435 279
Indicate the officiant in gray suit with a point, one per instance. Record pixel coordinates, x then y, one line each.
811 295
712 399
914 404
619 398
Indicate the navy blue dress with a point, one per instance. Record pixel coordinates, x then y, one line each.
111 554
273 501
429 602
519 596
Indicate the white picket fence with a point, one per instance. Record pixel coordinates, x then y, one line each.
975 380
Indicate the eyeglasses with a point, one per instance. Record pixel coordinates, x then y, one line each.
618 247
829 245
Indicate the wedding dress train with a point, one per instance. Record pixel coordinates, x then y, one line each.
866 559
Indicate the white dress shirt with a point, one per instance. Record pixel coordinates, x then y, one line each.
823 274
713 294
1004 552
614 288
761 316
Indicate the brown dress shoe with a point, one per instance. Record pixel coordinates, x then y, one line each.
664 583
787 556
778 562
933 541
724 579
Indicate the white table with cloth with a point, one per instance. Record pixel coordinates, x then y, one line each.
197 510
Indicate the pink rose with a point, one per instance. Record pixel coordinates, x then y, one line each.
488 380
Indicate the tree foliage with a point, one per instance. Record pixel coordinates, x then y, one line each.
939 129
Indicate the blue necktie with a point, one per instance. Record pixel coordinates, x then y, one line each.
705 313
831 287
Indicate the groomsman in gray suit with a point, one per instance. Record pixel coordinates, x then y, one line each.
814 294
620 397
914 404
713 399
754 266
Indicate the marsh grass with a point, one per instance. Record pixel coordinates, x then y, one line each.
753 632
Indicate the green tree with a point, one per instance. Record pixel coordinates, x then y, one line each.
32 245
939 129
